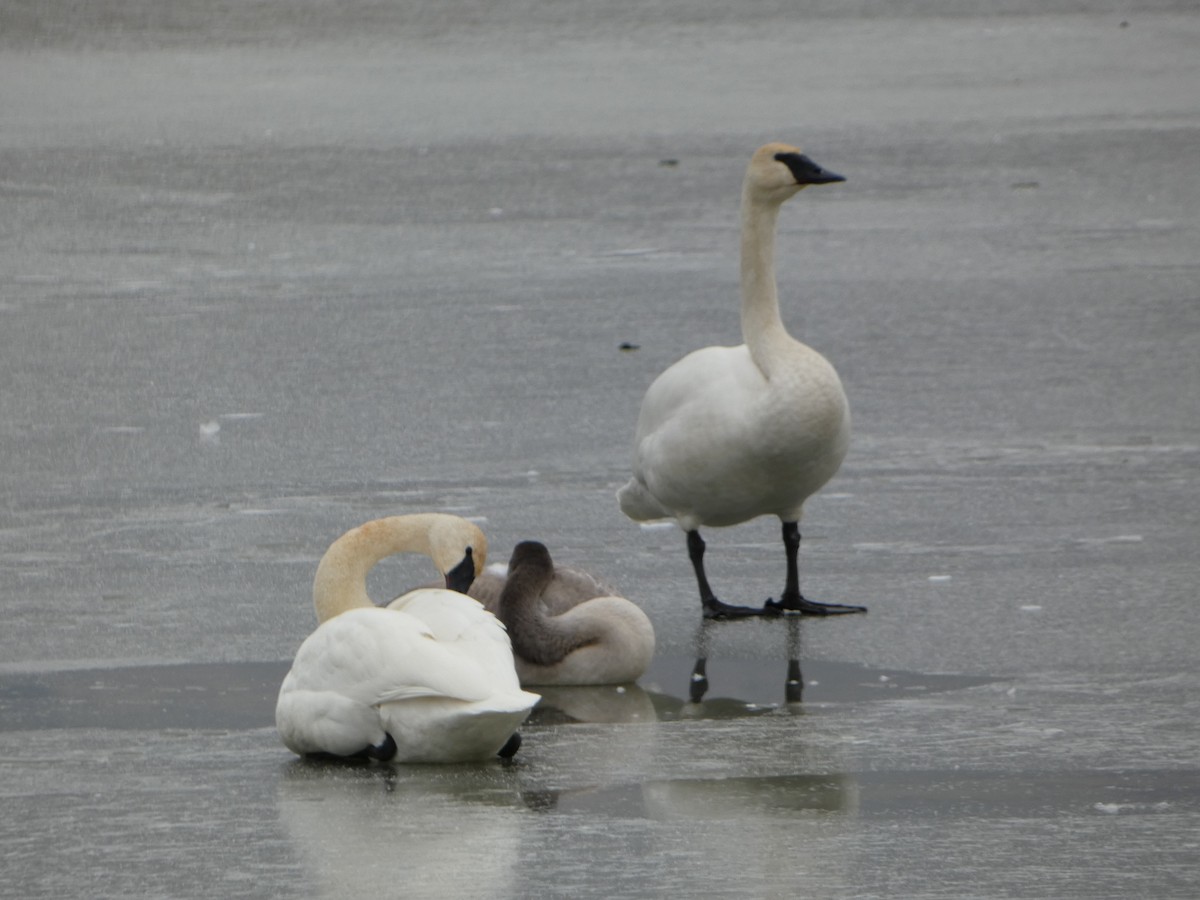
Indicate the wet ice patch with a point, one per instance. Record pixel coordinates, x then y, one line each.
737 687
1114 539
632 251
210 432
137 287
1114 809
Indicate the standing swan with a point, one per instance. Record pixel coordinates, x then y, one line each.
428 679
731 433
601 640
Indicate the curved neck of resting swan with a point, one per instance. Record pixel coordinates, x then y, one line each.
536 637
762 327
341 579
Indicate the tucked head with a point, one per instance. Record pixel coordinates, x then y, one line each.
777 171
530 554
530 570
459 550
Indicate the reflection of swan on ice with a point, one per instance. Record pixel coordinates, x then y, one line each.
606 703
413 832
787 825
758 789
789 833
698 683
716 798
770 795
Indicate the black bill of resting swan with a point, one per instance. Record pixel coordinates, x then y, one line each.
429 678
560 638
728 434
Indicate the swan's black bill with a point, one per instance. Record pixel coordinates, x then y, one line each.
460 577
805 171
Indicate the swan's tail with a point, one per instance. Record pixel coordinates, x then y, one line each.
639 504
440 730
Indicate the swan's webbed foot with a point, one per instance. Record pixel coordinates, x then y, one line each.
509 750
715 609
791 602
798 605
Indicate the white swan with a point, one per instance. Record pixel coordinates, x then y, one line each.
560 637
428 679
731 433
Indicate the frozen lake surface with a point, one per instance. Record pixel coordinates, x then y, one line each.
269 273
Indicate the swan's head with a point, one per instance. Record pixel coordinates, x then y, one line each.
778 171
529 572
458 549
530 553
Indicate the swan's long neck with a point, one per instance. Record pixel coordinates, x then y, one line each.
536 637
762 327
341 580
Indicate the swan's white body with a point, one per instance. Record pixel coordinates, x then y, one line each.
727 434
567 627
433 672
719 442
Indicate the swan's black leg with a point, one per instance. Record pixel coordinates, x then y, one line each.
384 751
793 688
509 750
698 686
792 601
713 608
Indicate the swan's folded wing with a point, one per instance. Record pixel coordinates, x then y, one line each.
463 627
449 615
431 669
325 721
376 655
570 587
